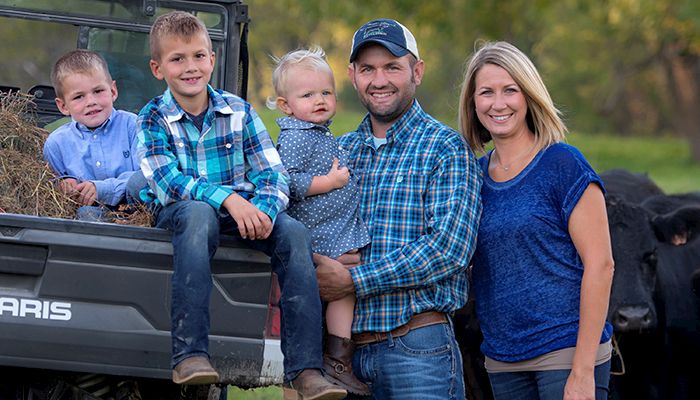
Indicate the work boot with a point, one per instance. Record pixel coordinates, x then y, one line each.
337 363
311 385
195 371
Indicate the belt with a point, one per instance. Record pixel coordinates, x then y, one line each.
417 321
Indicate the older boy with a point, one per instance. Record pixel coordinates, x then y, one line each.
213 169
94 155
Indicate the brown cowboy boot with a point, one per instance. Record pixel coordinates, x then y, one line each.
311 385
337 363
195 371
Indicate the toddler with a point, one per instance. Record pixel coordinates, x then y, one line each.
323 194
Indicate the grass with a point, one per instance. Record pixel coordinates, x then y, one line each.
665 159
267 393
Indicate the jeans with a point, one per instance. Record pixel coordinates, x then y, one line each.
543 385
422 365
100 213
91 213
196 227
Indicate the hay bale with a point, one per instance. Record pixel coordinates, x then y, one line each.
26 181
26 187
17 126
127 214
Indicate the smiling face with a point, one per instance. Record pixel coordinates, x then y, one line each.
309 95
186 65
500 104
386 84
87 97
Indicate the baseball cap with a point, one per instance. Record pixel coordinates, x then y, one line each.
389 33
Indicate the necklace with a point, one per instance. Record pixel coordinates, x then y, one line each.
517 158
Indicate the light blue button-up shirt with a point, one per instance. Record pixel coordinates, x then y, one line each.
106 155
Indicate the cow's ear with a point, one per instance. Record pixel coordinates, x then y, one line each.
677 227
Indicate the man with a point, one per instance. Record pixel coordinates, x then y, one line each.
420 198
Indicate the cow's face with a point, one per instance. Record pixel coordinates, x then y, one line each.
634 251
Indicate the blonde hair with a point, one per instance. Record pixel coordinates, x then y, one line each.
313 58
543 118
175 23
79 61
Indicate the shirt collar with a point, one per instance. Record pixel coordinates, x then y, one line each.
294 123
173 112
84 129
397 132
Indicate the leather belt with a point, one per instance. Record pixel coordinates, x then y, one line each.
417 321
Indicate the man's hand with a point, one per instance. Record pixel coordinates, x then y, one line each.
338 177
252 223
86 193
334 280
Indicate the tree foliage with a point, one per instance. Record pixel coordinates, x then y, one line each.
623 66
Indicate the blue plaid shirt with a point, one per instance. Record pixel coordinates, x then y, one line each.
420 198
232 153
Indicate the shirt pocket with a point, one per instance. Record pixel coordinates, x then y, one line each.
230 148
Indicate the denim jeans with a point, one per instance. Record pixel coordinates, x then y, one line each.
91 213
543 385
99 213
196 227
422 365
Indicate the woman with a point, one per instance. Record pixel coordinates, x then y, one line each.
543 265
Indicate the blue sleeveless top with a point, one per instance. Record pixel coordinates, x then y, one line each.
526 271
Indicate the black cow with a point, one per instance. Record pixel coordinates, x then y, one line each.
630 186
653 307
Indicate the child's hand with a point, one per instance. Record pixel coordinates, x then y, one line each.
338 177
67 185
252 223
86 193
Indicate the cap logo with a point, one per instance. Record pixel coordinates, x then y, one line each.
374 32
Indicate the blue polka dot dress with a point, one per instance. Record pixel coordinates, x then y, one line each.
333 218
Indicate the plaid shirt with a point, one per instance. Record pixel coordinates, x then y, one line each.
233 153
420 198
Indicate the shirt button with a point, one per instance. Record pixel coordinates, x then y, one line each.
203 172
399 179
94 136
181 144
98 163
228 145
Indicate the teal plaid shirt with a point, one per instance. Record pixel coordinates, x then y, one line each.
420 198
232 153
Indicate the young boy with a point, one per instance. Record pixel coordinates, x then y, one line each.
94 154
324 196
212 168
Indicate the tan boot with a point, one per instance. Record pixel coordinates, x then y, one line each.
195 371
337 363
311 385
